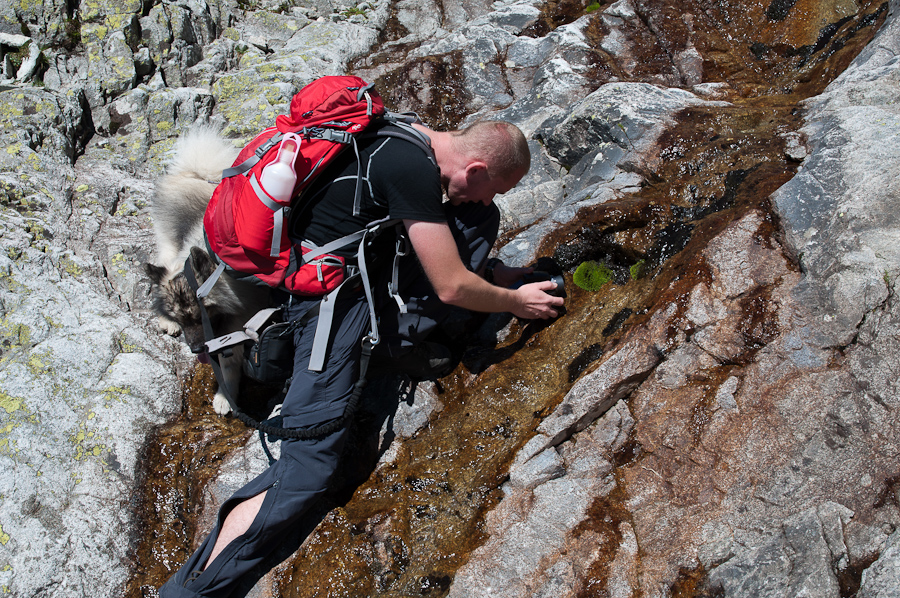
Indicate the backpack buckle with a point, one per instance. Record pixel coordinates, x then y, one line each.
326 134
264 148
337 136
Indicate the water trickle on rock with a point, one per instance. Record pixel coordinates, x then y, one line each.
179 461
431 86
405 529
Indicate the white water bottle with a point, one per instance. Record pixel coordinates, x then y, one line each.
279 178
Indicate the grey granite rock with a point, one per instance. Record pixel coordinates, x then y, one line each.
882 579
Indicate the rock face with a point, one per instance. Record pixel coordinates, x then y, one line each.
722 419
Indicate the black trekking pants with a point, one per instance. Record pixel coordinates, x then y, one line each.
302 474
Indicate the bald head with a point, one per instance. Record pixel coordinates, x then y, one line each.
501 145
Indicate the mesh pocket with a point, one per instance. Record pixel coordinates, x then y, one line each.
319 277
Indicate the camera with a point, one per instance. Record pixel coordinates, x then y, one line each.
539 276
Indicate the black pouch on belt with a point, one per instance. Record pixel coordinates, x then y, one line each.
270 360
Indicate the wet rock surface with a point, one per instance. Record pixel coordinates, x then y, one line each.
720 419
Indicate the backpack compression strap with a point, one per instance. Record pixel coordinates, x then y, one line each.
319 133
252 160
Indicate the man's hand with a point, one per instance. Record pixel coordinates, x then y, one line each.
536 303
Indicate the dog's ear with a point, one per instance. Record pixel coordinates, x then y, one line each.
156 273
201 263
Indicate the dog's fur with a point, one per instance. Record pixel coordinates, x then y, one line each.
179 203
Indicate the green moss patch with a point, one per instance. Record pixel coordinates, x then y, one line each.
591 276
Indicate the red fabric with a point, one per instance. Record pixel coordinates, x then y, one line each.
239 227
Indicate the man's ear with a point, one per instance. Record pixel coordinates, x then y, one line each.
476 172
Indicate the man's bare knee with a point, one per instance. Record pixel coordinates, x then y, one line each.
236 523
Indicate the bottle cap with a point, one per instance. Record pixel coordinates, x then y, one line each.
288 151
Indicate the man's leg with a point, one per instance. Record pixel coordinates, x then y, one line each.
237 522
259 516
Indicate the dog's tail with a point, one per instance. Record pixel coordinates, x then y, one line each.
182 194
202 152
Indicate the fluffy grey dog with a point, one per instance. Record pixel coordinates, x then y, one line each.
179 203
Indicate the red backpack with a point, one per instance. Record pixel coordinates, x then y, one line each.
245 226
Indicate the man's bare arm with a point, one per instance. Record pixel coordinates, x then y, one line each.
456 285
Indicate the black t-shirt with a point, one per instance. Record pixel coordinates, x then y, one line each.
399 180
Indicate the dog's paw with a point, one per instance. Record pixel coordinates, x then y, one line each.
220 404
168 326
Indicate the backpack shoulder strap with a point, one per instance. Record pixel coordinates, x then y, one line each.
399 125
392 125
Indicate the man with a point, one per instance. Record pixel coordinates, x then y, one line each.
473 165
